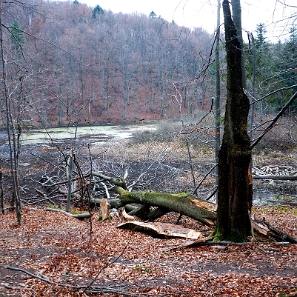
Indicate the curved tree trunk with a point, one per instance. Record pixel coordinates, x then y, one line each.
234 191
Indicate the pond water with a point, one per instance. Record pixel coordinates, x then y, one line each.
92 133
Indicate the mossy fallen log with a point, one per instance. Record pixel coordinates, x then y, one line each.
183 203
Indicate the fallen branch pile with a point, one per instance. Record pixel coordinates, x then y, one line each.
149 205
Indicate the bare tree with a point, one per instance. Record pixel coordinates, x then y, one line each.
12 126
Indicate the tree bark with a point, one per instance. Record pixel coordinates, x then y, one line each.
236 9
234 189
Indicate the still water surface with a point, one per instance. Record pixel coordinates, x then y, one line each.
94 133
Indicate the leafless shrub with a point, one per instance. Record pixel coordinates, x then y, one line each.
166 131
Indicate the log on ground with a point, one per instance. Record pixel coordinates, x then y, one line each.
183 203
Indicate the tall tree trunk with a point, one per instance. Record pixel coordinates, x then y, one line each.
60 105
234 192
12 132
236 9
252 113
1 191
218 89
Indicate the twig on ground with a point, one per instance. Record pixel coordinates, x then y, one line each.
87 288
77 216
18 288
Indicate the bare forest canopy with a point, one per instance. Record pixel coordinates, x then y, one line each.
73 64
92 66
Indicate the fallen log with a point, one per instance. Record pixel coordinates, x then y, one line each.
270 231
276 177
182 203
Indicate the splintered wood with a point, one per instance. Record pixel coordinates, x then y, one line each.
104 208
158 229
204 204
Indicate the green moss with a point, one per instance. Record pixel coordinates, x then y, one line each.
50 205
217 235
107 219
251 232
76 211
234 237
143 269
181 195
283 294
282 208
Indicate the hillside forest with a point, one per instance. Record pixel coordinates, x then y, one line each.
68 64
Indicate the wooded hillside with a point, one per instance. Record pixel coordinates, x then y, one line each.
73 64
85 65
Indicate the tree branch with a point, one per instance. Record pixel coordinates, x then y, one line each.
270 126
87 288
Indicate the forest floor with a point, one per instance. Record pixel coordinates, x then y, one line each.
64 255
72 253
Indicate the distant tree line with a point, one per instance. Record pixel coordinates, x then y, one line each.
72 64
88 65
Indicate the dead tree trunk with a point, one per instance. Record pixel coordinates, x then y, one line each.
234 190
182 203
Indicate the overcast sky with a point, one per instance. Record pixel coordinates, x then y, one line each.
202 13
